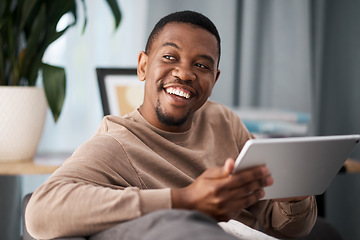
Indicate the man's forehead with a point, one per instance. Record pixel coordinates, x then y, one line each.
179 26
175 30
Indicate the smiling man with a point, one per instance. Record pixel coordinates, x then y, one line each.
164 171
181 69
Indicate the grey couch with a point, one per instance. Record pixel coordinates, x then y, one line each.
321 231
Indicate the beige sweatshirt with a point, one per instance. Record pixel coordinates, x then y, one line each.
128 168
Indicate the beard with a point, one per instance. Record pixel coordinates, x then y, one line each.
167 119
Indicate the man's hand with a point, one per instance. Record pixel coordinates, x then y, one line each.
221 194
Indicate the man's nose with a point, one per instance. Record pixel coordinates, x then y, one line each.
184 73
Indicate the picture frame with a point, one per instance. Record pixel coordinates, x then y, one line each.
120 89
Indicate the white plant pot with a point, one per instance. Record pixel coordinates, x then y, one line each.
22 117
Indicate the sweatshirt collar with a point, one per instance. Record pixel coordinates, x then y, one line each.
172 136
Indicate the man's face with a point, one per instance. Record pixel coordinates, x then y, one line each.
180 72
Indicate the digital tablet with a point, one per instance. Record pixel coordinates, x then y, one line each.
300 166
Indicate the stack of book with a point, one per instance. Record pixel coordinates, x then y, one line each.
274 122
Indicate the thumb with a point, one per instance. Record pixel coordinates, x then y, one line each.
228 166
220 172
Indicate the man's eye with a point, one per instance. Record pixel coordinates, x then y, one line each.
201 66
169 57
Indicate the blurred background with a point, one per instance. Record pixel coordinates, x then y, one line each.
294 55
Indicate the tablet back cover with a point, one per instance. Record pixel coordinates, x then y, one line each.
300 166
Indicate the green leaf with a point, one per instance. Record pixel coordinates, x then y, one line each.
85 16
2 65
25 11
52 36
12 54
4 5
115 9
57 9
29 62
55 88
2 23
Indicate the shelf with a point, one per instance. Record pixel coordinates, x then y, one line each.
45 163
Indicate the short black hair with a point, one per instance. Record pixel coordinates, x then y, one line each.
187 16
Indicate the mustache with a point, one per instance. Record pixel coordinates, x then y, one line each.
178 81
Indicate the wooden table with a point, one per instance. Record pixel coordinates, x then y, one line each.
12 175
44 163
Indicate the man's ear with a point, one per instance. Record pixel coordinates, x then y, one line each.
141 69
217 75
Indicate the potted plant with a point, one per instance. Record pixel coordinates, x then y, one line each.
27 28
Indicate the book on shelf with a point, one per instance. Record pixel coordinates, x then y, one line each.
276 128
268 114
274 122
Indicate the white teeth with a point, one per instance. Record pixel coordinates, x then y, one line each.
178 92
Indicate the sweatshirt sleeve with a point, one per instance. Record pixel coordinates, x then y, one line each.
286 219
95 189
